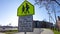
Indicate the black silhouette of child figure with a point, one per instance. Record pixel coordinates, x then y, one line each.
27 8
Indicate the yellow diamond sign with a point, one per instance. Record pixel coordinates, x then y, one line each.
25 8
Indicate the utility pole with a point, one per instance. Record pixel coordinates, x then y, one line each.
48 12
54 14
49 16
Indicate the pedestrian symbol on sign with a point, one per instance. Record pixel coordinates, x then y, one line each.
25 8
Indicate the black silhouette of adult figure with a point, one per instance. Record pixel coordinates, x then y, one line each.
27 8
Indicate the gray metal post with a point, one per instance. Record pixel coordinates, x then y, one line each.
25 32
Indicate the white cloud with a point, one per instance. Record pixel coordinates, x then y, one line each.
0 23
13 20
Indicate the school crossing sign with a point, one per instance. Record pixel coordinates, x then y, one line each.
25 8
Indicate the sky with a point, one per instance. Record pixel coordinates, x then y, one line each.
8 12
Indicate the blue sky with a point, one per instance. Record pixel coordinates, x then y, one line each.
8 12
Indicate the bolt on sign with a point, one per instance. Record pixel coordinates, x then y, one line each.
26 8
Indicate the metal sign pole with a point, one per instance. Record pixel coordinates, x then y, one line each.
25 32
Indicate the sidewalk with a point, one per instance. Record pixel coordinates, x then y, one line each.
47 31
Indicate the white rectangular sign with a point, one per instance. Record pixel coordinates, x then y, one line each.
25 24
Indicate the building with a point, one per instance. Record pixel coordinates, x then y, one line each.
36 24
42 24
6 28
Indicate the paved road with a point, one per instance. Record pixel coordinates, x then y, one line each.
38 31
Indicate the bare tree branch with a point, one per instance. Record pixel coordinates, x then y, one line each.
56 2
50 0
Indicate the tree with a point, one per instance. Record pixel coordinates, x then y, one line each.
44 24
48 1
50 6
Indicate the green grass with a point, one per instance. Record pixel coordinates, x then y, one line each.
11 31
56 32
